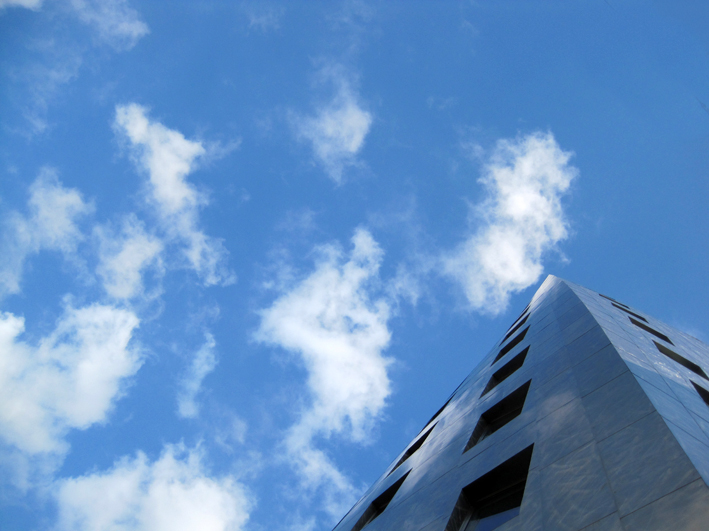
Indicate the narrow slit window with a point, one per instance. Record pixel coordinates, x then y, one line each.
702 392
517 327
520 316
435 415
652 331
631 313
379 504
505 371
412 449
499 415
681 360
494 498
512 344
613 300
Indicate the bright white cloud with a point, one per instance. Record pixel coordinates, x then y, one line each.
50 224
338 129
331 322
168 157
70 379
521 219
124 257
204 362
174 493
115 22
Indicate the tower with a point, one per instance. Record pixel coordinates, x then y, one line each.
587 415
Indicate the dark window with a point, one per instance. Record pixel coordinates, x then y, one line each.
505 371
517 327
702 392
512 344
612 299
435 415
494 498
498 415
651 330
520 316
412 449
631 313
681 360
379 504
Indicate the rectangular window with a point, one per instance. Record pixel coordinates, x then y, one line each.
517 327
435 415
412 449
520 316
681 360
499 415
702 392
652 331
505 371
494 498
631 313
512 344
379 504
613 300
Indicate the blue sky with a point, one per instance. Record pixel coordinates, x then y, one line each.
249 248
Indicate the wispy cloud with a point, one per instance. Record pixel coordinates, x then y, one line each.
339 333
69 379
51 223
123 257
263 16
204 362
58 54
339 126
167 157
44 80
173 493
521 219
29 4
114 21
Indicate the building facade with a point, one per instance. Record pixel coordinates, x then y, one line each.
588 415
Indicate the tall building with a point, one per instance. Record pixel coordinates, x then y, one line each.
587 415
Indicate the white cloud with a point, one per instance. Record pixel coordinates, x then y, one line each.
174 493
337 493
168 157
339 127
330 321
522 218
115 22
123 258
51 224
204 362
29 4
70 379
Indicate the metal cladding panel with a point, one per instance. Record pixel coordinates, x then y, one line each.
619 431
